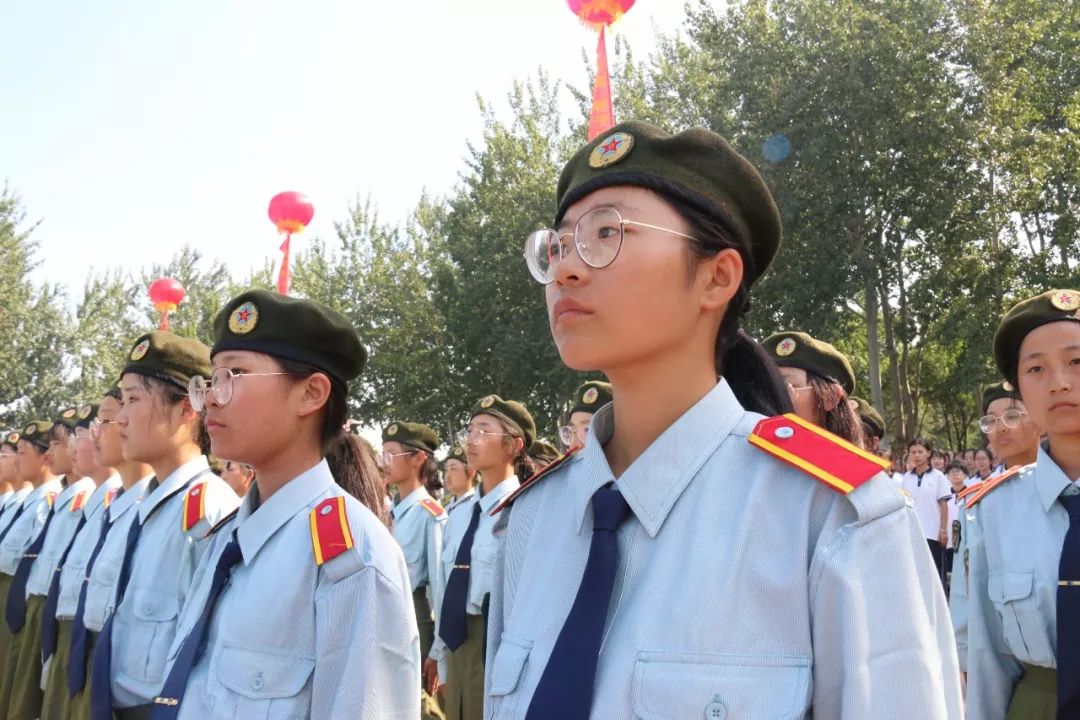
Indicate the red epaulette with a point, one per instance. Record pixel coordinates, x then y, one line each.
433 507
110 495
989 484
969 490
330 533
194 506
537 477
50 497
79 500
834 461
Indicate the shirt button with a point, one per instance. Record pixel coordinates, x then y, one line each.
715 711
257 682
148 609
784 432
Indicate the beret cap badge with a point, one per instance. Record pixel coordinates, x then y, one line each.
611 150
487 402
590 396
30 429
68 414
1007 386
13 438
84 412
244 319
139 351
1066 300
785 347
392 430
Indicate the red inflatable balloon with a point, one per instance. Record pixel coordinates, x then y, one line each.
290 211
599 13
166 294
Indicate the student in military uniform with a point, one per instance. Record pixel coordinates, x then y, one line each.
185 499
9 445
22 688
873 424
418 523
55 636
302 606
819 379
238 476
459 478
20 489
497 440
588 399
543 453
90 575
697 559
1023 600
28 526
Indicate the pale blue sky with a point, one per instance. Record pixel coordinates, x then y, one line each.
130 128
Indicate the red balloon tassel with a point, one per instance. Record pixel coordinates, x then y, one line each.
283 273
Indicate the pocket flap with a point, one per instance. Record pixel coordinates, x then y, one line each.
260 676
154 605
509 664
1008 587
673 686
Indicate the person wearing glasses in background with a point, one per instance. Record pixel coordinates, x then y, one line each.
588 399
408 463
90 575
56 624
497 440
1013 434
819 380
697 559
459 478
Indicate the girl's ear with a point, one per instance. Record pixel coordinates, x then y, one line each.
722 275
315 394
836 396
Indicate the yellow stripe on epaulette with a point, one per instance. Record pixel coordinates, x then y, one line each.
986 486
432 507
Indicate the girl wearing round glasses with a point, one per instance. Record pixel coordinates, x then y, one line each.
302 605
679 566
1008 427
1023 605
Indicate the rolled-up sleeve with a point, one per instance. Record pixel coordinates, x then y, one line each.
883 640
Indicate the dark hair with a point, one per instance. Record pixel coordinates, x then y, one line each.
958 467
524 468
939 453
919 441
172 394
352 466
749 370
59 432
841 420
114 393
986 452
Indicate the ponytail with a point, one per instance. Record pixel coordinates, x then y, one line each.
841 420
352 466
749 370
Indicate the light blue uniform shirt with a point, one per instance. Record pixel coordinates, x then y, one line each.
289 638
1018 530
465 497
29 525
101 590
420 535
745 588
73 573
4 497
61 530
145 620
11 506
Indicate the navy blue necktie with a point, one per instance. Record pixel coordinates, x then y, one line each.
101 670
1068 615
452 628
11 523
565 690
76 675
167 705
15 610
49 623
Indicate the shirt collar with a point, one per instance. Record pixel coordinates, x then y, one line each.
257 521
37 493
71 490
491 499
656 479
129 498
1050 480
409 500
179 477
465 497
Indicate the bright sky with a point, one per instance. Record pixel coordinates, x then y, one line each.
131 128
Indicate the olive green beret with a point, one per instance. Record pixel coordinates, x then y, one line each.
11 440
36 432
1025 316
289 328
696 165
869 415
167 357
87 413
509 411
414 435
591 396
544 452
458 453
799 350
997 391
67 417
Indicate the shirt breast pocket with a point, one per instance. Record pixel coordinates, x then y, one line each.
1021 621
148 631
507 669
674 686
266 686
